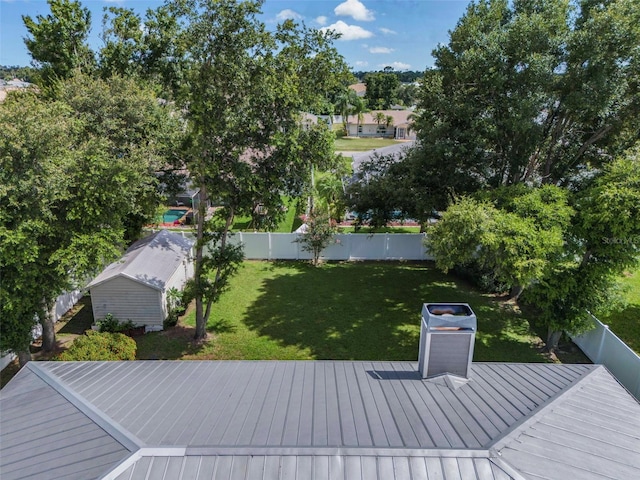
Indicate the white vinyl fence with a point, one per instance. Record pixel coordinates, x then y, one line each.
602 346
344 246
378 246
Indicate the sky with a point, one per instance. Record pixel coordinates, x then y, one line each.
375 33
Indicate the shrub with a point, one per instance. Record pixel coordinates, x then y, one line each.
95 346
318 235
111 324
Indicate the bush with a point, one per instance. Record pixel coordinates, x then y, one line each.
111 324
96 346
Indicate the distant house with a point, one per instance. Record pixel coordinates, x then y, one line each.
135 287
11 85
324 420
399 126
309 120
359 88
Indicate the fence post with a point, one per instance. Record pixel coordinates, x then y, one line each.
605 330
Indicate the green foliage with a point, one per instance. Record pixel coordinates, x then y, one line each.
243 89
317 236
26 74
387 189
382 90
343 106
94 346
76 176
58 41
515 246
175 307
532 92
329 193
602 243
110 324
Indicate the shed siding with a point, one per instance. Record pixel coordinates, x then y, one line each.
127 299
177 280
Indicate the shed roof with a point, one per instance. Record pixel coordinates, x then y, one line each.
150 261
327 420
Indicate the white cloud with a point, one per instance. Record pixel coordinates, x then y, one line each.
288 14
321 20
395 65
381 50
354 9
387 31
348 32
361 63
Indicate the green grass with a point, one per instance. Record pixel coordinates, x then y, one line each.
288 224
355 144
625 323
360 311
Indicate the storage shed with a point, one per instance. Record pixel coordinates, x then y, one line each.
135 287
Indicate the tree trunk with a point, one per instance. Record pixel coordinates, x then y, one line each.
515 292
553 337
201 331
24 356
48 328
48 334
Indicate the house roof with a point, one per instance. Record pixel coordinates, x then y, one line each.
150 261
400 117
194 420
359 88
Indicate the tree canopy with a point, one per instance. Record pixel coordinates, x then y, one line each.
243 93
78 172
531 91
527 95
382 89
58 41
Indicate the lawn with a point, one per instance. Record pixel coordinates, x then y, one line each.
288 224
342 311
625 323
360 144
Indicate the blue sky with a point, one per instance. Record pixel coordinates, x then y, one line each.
376 33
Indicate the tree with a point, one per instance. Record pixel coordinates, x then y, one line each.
122 37
530 91
330 192
602 242
243 94
358 108
317 236
515 244
381 89
74 169
344 106
58 42
407 94
143 47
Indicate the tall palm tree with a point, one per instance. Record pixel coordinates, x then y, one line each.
344 104
379 118
358 108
